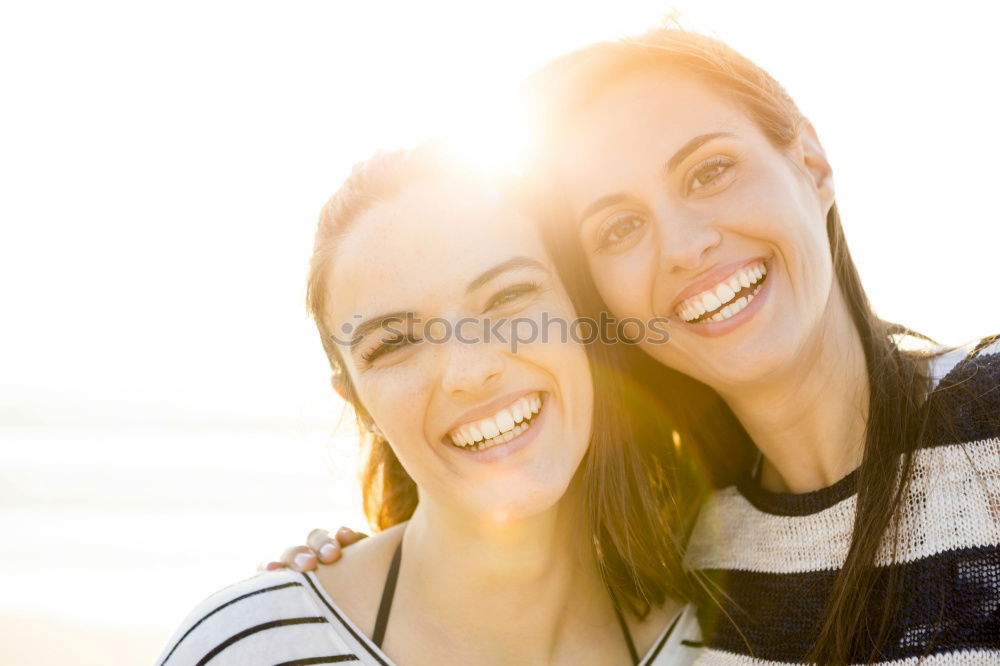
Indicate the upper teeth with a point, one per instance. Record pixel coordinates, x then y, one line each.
496 426
721 294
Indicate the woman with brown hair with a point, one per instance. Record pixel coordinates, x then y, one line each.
856 513
528 522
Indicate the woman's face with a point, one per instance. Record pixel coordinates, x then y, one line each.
480 429
685 210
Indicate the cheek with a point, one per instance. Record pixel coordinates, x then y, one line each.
797 212
395 398
559 354
625 282
807 250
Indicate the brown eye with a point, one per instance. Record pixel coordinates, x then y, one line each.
707 173
620 228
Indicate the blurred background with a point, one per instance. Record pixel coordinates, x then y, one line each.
166 420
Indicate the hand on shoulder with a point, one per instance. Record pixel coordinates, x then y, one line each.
355 580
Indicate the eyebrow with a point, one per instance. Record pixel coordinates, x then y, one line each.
509 265
678 157
369 325
602 203
691 146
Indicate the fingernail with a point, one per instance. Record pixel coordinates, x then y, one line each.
303 560
326 552
271 566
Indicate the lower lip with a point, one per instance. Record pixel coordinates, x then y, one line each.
713 329
501 451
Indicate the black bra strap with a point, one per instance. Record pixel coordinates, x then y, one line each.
387 593
624 625
385 605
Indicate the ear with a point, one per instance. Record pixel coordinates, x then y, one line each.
339 383
813 158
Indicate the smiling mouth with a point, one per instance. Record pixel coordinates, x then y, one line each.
500 428
725 299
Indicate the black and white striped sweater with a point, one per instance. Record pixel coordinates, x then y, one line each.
776 555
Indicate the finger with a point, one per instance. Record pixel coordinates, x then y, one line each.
270 566
346 536
299 558
324 546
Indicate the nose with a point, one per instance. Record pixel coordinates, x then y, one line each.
471 367
685 239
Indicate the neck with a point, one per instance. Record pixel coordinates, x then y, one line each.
809 419
534 573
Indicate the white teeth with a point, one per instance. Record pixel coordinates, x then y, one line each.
489 427
722 294
711 301
502 439
732 308
504 426
524 406
505 421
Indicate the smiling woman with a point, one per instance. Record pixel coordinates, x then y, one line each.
379 264
514 483
696 189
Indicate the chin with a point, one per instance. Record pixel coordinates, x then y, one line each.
742 371
732 366
513 503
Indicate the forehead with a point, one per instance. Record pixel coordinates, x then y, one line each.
420 248
637 123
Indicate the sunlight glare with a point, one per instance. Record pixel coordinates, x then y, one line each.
491 137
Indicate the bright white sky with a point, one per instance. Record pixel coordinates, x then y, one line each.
163 165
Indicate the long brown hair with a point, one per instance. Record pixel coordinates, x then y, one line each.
627 485
856 625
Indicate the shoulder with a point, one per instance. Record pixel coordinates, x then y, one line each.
680 643
969 359
267 619
966 391
355 581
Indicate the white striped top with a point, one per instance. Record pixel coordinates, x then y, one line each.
286 618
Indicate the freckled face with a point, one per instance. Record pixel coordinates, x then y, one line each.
452 250
676 192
